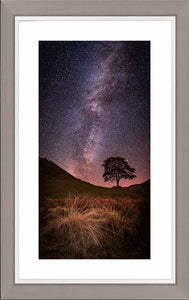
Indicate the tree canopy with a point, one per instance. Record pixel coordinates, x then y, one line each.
116 168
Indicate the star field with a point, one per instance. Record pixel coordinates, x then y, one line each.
94 102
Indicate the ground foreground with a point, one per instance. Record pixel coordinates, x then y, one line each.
80 220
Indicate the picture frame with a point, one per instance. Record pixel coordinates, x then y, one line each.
28 264
10 290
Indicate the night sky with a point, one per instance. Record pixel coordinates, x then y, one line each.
94 102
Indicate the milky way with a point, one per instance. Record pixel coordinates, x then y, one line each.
94 102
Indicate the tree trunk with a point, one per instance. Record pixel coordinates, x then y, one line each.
117 182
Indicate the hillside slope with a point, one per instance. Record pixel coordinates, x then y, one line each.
56 182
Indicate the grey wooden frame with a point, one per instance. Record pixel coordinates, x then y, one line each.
9 9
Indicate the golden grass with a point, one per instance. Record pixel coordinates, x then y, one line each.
83 227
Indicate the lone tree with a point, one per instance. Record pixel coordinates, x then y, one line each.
116 168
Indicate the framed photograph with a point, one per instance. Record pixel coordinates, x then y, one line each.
94 117
94 164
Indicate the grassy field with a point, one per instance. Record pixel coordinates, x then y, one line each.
80 220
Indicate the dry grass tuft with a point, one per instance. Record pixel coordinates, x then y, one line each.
86 227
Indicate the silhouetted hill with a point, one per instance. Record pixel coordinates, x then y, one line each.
49 169
56 182
143 188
